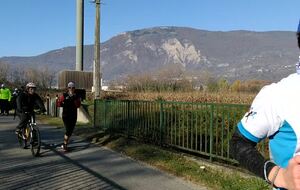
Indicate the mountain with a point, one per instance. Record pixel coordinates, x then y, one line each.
231 55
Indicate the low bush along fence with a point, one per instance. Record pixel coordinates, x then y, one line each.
203 128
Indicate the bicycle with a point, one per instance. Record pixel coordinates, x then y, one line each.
31 134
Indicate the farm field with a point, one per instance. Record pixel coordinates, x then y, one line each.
199 97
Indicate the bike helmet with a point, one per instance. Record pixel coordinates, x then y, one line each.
30 85
71 85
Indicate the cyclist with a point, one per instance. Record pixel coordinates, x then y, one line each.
274 114
27 100
69 101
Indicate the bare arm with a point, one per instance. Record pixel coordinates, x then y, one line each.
289 177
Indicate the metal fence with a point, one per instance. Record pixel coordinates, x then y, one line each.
204 128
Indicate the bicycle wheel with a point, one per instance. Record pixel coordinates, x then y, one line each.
35 141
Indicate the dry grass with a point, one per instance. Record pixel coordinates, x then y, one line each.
225 97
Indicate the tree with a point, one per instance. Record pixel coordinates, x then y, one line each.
46 78
236 86
4 70
223 85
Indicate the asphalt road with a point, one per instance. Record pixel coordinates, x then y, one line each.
86 166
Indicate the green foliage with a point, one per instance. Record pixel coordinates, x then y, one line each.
204 128
221 85
212 86
236 86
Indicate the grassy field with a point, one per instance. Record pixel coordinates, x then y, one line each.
182 165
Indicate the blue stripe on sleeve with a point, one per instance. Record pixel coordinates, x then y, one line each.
248 135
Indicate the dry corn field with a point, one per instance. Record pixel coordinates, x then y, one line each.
200 97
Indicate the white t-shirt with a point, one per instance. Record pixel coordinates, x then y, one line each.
275 113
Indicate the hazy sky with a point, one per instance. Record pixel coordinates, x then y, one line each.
33 27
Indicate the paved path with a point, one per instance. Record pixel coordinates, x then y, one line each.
87 166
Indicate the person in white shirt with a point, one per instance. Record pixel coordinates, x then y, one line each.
274 114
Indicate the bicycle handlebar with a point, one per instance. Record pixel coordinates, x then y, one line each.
39 112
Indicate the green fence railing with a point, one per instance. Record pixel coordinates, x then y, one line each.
204 128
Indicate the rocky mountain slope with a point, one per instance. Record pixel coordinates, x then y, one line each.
231 55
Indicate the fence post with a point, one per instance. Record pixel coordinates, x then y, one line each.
56 109
48 104
161 121
105 114
95 110
98 113
128 118
211 132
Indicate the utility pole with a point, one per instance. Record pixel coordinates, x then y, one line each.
97 73
79 29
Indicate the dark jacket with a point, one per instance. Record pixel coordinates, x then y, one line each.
28 102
